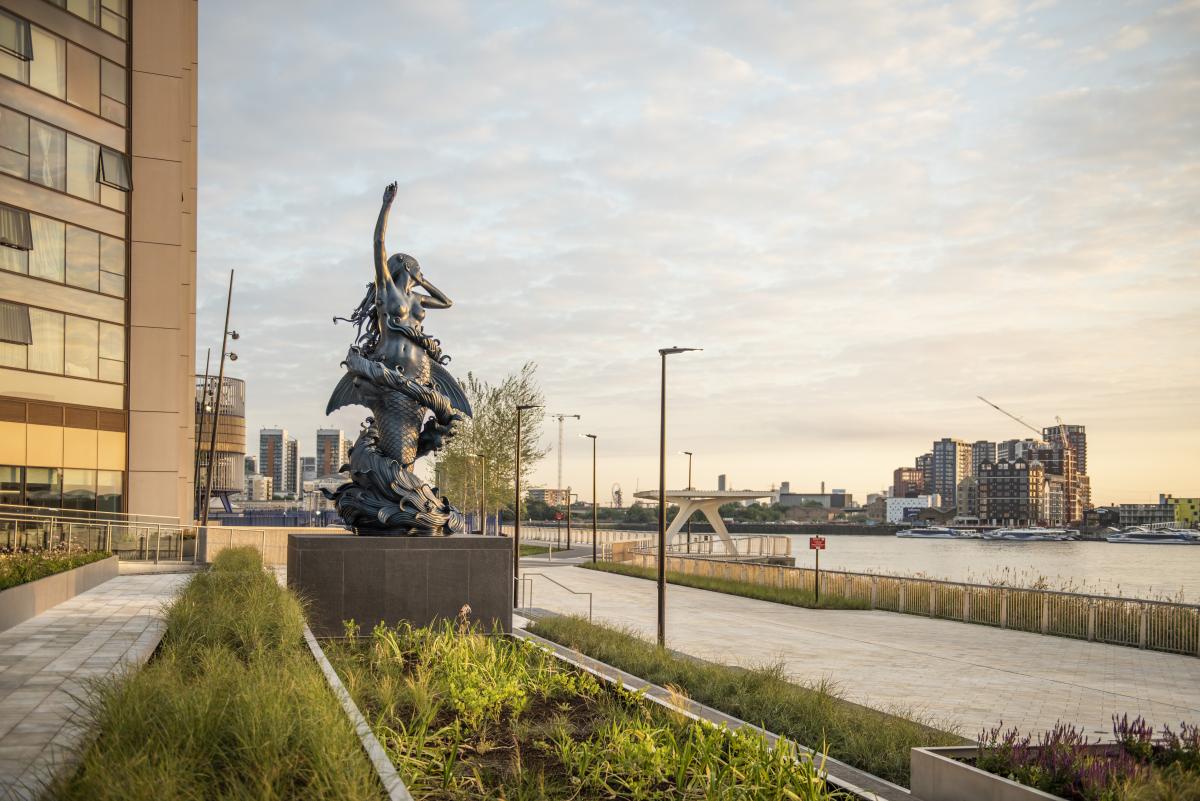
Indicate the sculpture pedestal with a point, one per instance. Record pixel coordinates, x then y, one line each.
388 579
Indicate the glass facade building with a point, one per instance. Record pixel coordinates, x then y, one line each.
97 254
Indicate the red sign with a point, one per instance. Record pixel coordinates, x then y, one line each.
816 543
558 515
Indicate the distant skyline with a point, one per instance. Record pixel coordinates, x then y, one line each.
865 215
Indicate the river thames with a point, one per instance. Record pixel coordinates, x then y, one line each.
1142 571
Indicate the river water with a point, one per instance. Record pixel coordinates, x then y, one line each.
1142 571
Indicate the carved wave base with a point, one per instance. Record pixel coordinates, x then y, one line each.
382 498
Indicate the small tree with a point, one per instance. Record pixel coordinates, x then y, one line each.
459 468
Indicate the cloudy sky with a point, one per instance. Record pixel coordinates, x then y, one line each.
866 213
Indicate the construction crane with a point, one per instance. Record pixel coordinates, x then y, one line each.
1013 416
560 418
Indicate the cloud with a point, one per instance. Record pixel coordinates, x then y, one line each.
866 215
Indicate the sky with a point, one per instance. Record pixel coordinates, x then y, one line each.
865 213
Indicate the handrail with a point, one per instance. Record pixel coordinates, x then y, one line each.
530 576
957 584
55 511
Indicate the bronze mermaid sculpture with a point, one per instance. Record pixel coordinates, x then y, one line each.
398 372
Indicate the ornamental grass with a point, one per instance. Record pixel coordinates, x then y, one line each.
815 715
465 715
231 706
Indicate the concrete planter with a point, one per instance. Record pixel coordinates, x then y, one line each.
939 774
388 579
18 604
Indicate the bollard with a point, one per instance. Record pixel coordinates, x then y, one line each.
1003 608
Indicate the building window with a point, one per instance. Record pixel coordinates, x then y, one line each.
12 480
47 155
79 489
113 92
63 253
14 143
50 342
111 15
114 170
48 68
109 485
43 487
15 232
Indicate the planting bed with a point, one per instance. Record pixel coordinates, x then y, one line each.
20 567
1140 766
816 716
231 706
463 715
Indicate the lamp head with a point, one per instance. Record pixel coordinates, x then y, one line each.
588 436
525 406
673 350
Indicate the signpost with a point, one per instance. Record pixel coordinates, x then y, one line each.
816 545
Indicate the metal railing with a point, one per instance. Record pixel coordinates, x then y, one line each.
129 540
1141 623
89 515
712 546
526 580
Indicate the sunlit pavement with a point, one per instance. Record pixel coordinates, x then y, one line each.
970 676
46 662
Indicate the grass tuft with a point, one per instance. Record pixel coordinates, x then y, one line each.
815 715
231 707
780 595
21 567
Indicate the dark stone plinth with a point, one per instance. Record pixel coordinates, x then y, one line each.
388 579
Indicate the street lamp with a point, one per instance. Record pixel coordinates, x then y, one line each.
662 495
593 438
483 496
517 504
689 455
212 443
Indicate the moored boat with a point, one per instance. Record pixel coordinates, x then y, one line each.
1160 536
935 533
1031 534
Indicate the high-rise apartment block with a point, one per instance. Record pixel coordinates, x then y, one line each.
331 451
924 463
278 457
908 482
98 254
1012 493
1010 450
1076 438
982 451
951 463
308 468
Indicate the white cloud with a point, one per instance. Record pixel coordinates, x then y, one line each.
866 215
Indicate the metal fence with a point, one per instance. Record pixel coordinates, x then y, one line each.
129 539
1154 625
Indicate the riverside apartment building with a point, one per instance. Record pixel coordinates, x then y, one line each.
98 254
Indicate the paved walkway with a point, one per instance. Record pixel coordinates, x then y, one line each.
46 662
970 676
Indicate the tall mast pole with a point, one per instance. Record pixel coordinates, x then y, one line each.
199 435
212 442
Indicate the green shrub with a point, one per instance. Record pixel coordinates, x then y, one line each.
232 706
231 560
871 740
762 592
468 716
22 567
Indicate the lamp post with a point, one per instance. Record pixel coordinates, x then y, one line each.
212 443
662 495
689 455
483 496
593 438
199 434
517 504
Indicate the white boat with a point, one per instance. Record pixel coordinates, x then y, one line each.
1031 534
935 533
1159 536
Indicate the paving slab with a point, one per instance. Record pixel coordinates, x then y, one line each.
47 661
964 675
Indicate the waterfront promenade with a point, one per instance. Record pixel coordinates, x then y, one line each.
46 662
966 675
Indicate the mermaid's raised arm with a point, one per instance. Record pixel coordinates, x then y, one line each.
436 299
383 276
